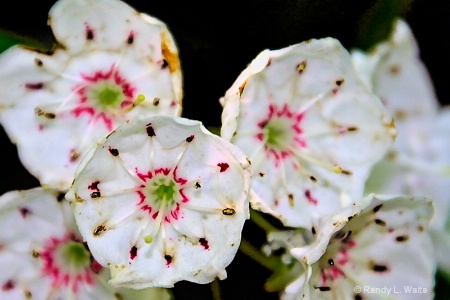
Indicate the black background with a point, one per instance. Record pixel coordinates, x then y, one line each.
216 40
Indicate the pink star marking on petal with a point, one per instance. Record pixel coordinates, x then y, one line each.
94 107
281 131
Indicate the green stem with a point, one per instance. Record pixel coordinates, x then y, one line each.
257 255
215 289
259 220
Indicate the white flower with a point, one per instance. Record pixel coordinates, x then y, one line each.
395 72
56 105
419 162
382 251
162 200
42 255
310 127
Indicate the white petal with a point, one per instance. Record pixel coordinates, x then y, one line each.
51 104
162 200
40 223
384 249
398 76
302 115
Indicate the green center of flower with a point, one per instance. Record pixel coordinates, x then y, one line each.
75 255
165 191
107 95
278 134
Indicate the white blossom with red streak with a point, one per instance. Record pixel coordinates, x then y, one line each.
310 127
162 200
56 105
376 251
42 255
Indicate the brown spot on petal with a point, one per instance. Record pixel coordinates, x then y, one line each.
35 253
34 86
78 198
377 267
313 230
261 174
190 138
197 185
301 67
74 155
60 197
171 58
323 288
156 101
352 128
241 88
48 115
113 151
150 130
314 179
228 211
347 172
400 115
99 230
95 195
394 69
380 222
291 199
28 294
402 238
340 81
377 208
38 62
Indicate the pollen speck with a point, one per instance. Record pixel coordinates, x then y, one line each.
228 211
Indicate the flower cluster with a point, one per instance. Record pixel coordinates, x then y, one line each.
135 198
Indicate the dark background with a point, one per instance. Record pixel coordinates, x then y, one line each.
216 40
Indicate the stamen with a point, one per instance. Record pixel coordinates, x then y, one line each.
157 223
139 99
309 158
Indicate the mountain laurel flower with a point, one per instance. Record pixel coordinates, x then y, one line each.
55 105
161 200
394 71
42 255
375 251
310 127
419 162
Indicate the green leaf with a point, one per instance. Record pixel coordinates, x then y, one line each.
9 39
376 24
